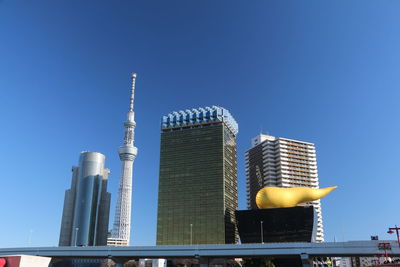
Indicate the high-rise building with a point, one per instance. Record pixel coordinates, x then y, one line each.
282 162
86 204
197 194
120 234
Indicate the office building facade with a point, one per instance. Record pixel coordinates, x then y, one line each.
197 194
282 162
87 204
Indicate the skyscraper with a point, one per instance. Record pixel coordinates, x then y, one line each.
197 194
86 204
120 234
282 162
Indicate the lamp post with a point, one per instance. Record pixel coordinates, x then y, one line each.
191 234
76 234
262 232
397 232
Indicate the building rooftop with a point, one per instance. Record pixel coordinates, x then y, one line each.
199 116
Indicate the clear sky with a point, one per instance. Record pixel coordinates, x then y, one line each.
326 72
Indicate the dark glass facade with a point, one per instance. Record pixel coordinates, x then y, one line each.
297 224
197 185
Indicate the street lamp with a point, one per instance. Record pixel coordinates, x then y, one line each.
397 232
262 232
76 234
191 234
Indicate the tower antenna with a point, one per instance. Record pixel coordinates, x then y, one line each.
132 92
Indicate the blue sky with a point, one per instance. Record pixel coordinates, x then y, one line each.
325 72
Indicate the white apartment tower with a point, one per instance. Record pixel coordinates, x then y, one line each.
282 162
120 234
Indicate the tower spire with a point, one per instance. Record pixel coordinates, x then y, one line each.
132 91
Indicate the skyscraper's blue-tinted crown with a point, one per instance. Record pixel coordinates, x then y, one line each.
198 116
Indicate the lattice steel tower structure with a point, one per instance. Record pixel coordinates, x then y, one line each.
120 234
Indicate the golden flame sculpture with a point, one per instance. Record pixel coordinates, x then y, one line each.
279 197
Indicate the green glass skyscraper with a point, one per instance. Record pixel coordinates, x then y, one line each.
197 194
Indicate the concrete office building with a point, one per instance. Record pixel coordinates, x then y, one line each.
197 194
86 204
282 162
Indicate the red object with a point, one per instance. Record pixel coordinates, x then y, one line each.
397 233
385 246
2 262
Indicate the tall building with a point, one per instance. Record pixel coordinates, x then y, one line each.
197 194
120 234
86 204
282 162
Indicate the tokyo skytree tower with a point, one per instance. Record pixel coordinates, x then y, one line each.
120 234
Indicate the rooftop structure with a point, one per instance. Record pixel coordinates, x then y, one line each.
199 116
